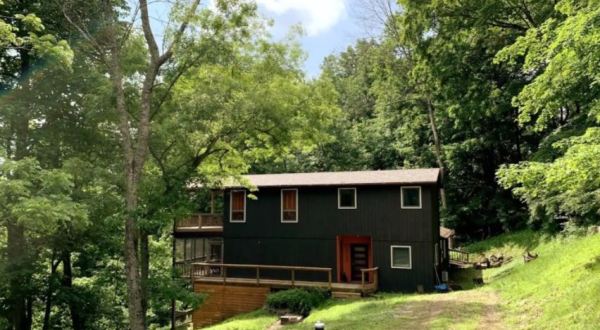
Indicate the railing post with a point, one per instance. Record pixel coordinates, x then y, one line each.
329 273
224 272
293 277
362 280
257 275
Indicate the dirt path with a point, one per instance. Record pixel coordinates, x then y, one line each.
472 309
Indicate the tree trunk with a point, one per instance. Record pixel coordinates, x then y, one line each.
77 320
17 311
49 292
145 264
438 150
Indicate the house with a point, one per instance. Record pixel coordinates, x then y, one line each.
362 226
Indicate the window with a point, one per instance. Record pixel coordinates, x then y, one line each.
237 210
346 198
401 256
410 197
289 205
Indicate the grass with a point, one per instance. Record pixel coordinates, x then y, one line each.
558 290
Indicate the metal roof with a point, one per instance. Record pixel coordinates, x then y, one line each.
350 178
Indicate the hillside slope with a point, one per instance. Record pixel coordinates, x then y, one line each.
558 290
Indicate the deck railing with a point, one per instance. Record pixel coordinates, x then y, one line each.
369 276
200 220
459 256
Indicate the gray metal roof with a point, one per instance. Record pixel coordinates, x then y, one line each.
384 177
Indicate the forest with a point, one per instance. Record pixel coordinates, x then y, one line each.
104 124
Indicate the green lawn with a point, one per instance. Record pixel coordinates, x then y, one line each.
559 290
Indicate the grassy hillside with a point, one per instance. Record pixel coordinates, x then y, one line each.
559 290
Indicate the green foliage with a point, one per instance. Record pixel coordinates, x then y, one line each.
299 301
562 55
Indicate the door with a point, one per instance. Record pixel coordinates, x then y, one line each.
359 259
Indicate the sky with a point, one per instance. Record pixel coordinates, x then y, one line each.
330 26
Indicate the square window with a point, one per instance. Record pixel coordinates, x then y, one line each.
410 197
401 256
289 205
237 206
346 198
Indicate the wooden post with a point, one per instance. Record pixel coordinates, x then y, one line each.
212 202
329 273
293 277
224 273
362 279
257 275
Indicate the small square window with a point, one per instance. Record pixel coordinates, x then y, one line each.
401 256
410 197
346 198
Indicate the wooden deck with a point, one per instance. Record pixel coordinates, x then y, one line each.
202 272
228 296
200 223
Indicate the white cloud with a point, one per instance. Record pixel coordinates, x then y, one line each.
315 15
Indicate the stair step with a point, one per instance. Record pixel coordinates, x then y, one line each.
346 295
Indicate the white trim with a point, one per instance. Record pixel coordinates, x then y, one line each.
281 205
402 198
409 256
347 207
231 206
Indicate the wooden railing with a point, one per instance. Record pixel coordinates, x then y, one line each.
201 220
373 274
200 269
369 276
459 256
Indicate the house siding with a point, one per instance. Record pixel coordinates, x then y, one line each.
263 239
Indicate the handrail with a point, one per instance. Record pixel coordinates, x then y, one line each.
223 270
459 255
375 278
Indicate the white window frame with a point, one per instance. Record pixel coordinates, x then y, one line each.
340 207
231 206
281 205
409 256
402 197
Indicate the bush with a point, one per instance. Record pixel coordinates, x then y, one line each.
299 301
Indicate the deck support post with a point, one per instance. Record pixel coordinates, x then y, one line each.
293 278
329 275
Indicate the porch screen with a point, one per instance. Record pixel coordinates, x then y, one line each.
289 205
238 206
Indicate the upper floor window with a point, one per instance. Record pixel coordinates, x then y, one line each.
237 210
346 198
289 205
410 197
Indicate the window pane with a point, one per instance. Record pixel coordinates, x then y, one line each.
400 257
188 249
411 197
289 199
199 248
179 253
347 197
237 200
289 215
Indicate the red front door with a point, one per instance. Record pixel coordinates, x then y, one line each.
353 253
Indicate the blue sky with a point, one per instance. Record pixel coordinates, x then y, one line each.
330 25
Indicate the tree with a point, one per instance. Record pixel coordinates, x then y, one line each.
561 57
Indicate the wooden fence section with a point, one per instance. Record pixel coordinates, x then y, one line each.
225 301
200 222
460 258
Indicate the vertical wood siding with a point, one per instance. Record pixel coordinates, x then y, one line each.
263 239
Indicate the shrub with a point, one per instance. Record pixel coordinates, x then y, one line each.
299 301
